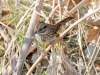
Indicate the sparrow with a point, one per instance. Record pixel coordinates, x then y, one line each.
46 33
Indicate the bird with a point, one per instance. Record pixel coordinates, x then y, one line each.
46 33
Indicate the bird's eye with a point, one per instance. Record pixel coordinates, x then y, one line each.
43 29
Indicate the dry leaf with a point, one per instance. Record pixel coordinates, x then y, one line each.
5 12
51 21
88 2
93 34
69 14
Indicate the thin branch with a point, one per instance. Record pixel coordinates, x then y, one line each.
28 38
23 17
94 54
4 36
78 6
52 13
6 26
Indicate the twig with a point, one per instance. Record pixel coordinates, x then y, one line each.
68 3
94 55
39 59
52 13
66 62
78 6
6 26
53 4
59 3
20 21
4 36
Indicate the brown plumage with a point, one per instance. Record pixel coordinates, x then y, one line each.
46 33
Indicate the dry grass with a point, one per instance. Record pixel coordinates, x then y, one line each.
74 44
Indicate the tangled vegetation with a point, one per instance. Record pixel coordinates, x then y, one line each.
75 51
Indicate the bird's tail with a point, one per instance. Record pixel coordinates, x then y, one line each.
64 21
